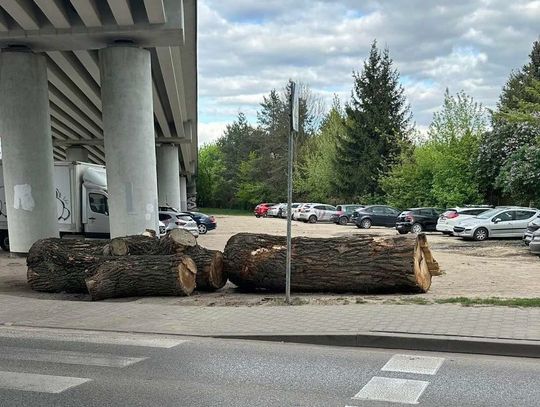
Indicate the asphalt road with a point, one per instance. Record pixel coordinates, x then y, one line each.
63 368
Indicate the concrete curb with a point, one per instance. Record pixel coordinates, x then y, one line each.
436 343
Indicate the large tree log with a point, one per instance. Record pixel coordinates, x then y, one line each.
210 274
176 241
360 263
131 276
57 265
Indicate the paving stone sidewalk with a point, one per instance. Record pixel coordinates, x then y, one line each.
441 319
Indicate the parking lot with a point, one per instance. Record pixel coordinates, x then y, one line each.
493 268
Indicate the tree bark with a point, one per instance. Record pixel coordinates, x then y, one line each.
210 273
57 265
131 276
176 241
360 263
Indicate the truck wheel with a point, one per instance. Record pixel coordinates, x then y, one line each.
4 242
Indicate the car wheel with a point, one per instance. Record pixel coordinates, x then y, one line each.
365 224
402 232
4 242
417 228
480 234
343 220
202 229
312 219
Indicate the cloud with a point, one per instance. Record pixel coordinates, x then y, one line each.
247 48
209 132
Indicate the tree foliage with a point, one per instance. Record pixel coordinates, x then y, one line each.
377 125
441 170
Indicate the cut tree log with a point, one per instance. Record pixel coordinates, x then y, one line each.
176 241
61 265
131 276
210 274
360 263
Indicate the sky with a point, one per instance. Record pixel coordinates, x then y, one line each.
249 47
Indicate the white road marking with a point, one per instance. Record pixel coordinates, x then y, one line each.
392 390
66 357
97 337
38 382
413 364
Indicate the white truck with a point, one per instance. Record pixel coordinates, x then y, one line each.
81 201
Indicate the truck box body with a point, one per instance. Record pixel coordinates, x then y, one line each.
81 199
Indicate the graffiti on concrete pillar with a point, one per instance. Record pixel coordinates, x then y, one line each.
192 202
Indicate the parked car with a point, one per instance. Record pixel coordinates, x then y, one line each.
375 215
204 222
316 212
293 208
417 220
173 220
498 222
344 213
276 210
532 227
451 217
534 245
297 210
262 209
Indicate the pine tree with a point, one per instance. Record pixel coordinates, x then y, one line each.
378 124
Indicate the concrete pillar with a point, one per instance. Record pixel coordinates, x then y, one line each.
192 195
77 153
128 126
168 175
183 193
27 150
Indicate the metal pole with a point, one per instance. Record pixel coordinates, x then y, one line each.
289 204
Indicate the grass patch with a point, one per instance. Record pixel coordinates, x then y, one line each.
219 211
507 302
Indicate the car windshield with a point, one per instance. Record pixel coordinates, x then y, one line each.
489 214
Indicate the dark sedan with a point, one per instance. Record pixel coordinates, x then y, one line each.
417 220
375 215
204 222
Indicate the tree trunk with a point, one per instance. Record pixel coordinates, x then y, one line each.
131 276
57 265
210 274
360 263
176 241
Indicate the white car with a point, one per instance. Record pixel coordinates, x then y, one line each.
173 220
316 212
276 210
498 222
451 217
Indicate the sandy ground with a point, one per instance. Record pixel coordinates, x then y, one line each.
495 268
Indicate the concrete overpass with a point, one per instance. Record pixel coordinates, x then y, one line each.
105 81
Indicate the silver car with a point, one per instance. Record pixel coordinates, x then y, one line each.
498 222
532 227
316 212
173 220
534 245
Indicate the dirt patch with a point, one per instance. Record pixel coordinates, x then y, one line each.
494 268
